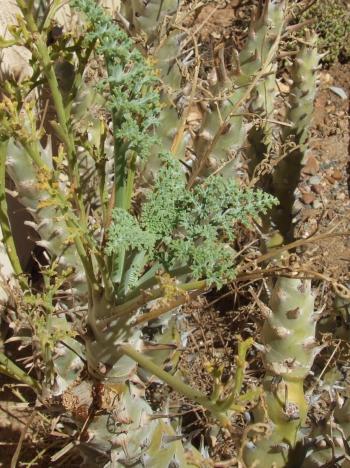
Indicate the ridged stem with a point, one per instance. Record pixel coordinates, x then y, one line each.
5 222
288 354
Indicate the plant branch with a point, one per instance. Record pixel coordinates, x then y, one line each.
142 299
243 347
175 383
9 368
42 54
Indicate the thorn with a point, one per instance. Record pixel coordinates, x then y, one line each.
261 348
257 55
251 31
206 135
31 224
223 72
321 56
309 343
265 12
235 59
293 313
281 332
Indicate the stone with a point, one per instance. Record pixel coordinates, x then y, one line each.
317 204
341 196
337 175
317 188
315 180
308 197
311 166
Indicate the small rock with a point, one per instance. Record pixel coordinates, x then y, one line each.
317 204
308 197
339 92
297 207
317 188
311 166
283 87
330 179
315 180
326 79
329 176
341 196
337 175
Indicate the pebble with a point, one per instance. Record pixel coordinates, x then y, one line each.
315 180
326 79
308 197
317 188
337 175
297 207
311 166
317 204
329 176
341 196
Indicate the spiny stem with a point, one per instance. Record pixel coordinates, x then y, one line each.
71 220
5 222
259 75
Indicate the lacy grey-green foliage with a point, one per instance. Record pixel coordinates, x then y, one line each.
126 233
181 227
133 98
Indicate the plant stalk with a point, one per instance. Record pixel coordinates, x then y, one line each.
175 383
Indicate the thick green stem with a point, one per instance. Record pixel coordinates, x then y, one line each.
289 350
71 220
5 222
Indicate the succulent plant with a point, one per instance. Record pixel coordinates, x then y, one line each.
330 438
125 269
224 129
132 229
301 101
288 353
